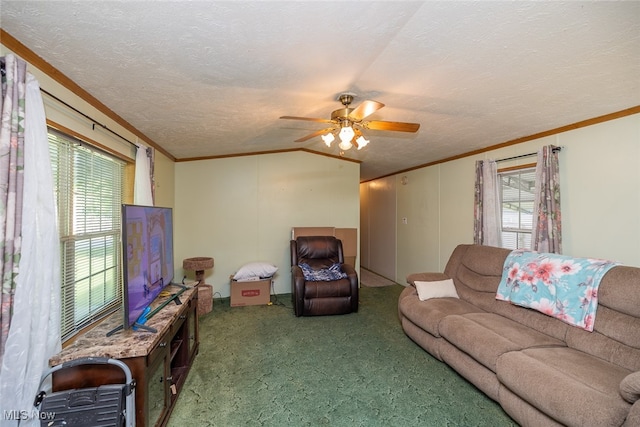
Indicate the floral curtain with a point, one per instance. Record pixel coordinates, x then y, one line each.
31 290
487 225
477 205
547 226
11 183
151 154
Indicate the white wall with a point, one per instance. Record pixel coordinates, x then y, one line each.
602 181
381 229
419 204
363 244
600 192
241 209
164 177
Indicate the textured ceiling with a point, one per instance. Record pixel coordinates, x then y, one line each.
209 78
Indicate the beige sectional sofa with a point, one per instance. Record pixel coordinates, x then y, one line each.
542 371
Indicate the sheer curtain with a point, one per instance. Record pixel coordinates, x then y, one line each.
143 181
547 225
34 332
11 184
487 213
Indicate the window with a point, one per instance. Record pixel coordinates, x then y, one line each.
88 185
517 199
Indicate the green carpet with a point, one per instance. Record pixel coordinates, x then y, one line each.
262 366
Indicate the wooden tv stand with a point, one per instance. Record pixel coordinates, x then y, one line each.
159 362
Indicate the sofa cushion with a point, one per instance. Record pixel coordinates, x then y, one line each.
620 291
563 382
518 409
484 261
425 340
428 314
615 339
469 368
486 336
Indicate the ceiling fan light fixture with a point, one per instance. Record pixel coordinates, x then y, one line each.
347 124
346 135
328 139
344 146
361 142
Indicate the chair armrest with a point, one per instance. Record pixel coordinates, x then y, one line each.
354 283
293 251
349 270
426 277
352 275
297 289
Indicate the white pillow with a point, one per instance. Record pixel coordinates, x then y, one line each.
439 289
255 269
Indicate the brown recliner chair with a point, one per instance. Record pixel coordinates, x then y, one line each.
313 298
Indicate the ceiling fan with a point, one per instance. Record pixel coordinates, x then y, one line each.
347 123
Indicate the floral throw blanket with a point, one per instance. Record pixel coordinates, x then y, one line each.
323 275
556 285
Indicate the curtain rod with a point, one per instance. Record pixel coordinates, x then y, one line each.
554 149
95 122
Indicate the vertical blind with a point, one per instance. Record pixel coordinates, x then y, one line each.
88 185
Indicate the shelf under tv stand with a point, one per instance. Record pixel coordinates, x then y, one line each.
159 362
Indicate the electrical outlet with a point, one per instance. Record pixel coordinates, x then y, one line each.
404 220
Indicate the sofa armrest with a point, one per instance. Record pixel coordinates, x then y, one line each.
630 391
426 277
630 387
633 417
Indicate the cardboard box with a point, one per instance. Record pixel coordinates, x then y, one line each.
348 236
312 231
350 260
255 292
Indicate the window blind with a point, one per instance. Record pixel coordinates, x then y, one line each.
88 189
517 199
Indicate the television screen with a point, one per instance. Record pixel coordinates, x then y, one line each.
148 256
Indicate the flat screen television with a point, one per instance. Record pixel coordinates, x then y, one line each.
147 239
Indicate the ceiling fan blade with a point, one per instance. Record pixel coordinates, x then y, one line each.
395 126
365 109
314 134
309 119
